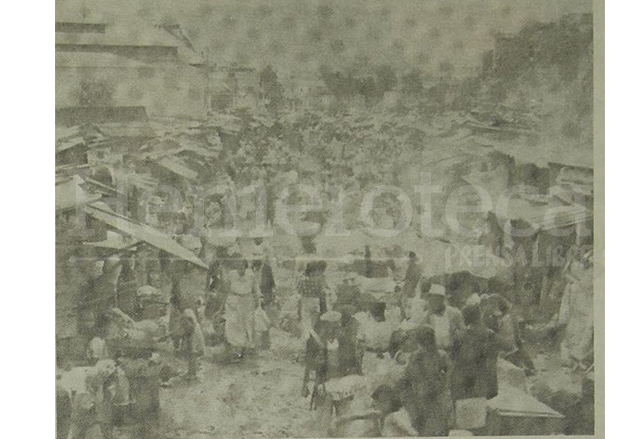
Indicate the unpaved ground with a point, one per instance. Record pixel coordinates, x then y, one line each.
259 397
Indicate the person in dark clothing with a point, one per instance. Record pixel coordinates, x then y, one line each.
312 289
412 277
102 295
368 261
348 293
397 339
320 356
127 289
94 405
474 356
424 386
410 282
267 284
215 289
394 419
351 345
176 319
498 316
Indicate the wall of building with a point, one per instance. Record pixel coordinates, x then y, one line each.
174 90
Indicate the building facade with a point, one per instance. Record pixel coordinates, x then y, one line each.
107 65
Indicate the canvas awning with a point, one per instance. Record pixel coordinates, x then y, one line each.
102 212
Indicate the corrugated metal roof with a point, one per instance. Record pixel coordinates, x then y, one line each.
133 35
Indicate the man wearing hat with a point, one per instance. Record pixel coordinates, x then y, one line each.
446 320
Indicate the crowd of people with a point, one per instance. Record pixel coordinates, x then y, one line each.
449 355
444 354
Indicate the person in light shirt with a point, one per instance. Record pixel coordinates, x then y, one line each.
242 297
446 320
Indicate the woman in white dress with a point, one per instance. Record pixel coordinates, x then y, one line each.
241 300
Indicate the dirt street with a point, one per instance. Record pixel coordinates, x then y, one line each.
259 397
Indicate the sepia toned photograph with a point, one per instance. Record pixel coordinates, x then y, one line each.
322 218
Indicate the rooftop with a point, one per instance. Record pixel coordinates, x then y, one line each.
126 34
